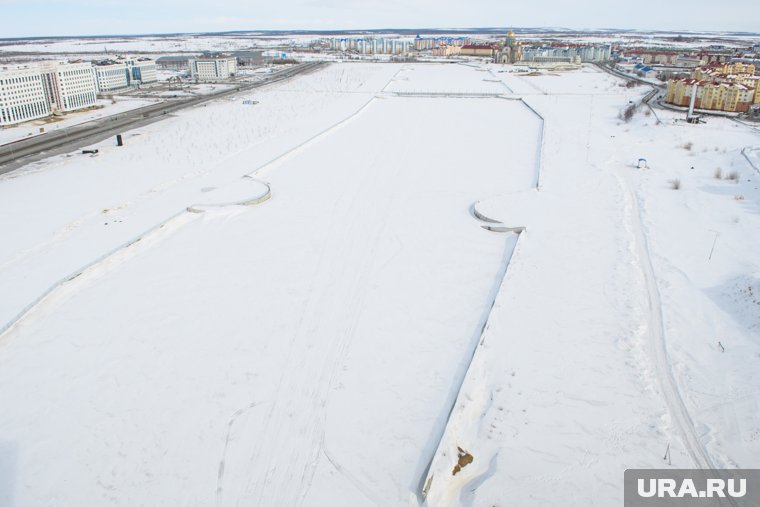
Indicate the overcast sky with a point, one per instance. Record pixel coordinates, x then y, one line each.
23 18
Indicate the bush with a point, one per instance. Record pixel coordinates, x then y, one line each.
627 114
675 184
718 173
733 176
687 146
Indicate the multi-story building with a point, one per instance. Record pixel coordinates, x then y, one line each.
370 46
477 50
688 62
178 63
69 86
716 56
213 67
724 69
733 97
141 71
568 54
111 75
37 90
22 95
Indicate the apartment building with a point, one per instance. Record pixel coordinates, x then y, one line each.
731 97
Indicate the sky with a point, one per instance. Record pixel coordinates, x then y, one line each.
28 18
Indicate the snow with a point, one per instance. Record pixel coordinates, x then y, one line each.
581 373
304 333
106 108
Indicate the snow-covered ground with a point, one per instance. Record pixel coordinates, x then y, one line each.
49 124
153 44
314 348
603 347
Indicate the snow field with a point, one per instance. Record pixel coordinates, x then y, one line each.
305 349
308 351
627 360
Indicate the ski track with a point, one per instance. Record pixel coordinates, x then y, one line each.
656 332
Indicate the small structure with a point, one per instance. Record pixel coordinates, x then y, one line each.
754 112
642 164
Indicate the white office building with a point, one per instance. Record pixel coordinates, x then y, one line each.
69 86
37 90
111 75
141 71
22 95
211 68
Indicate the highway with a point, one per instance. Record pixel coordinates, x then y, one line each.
16 154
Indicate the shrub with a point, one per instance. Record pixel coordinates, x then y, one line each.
675 184
687 146
628 112
733 176
718 173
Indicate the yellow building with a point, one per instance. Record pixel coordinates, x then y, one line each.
732 97
679 91
476 50
720 72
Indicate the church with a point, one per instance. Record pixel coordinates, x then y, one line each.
511 51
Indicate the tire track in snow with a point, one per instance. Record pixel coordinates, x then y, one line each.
656 330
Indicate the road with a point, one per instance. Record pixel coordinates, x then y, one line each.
19 153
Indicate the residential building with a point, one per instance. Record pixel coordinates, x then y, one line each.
477 50
734 68
22 95
371 46
423 43
213 67
688 62
568 53
732 97
716 56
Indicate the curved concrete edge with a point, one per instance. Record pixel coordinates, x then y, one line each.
504 228
477 214
252 201
195 209
494 224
